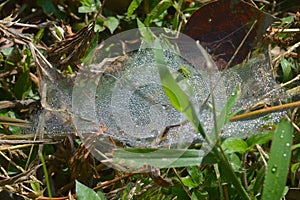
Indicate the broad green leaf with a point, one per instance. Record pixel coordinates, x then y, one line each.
161 158
133 6
83 192
232 145
23 86
278 164
111 23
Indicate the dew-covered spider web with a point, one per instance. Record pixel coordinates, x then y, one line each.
117 95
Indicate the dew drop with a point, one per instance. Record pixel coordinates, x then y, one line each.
274 169
282 131
281 136
284 155
287 144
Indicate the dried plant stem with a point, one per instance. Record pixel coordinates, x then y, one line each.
290 50
264 111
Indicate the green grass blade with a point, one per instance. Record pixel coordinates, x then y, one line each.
176 95
278 164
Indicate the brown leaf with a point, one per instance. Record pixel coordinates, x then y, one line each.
228 29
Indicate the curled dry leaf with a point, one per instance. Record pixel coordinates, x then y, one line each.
228 29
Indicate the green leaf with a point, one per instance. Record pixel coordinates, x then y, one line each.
175 94
286 69
133 6
232 145
259 139
278 164
287 19
49 8
224 116
160 8
83 192
147 35
111 23
231 101
188 181
89 55
160 158
89 6
235 162
195 174
23 86
86 9
197 195
35 185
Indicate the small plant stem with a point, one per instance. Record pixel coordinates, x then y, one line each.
244 174
46 175
264 111
217 172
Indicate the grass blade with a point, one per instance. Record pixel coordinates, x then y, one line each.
175 94
278 164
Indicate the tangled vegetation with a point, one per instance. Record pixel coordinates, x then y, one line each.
60 34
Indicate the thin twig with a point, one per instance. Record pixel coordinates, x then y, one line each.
290 50
290 81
